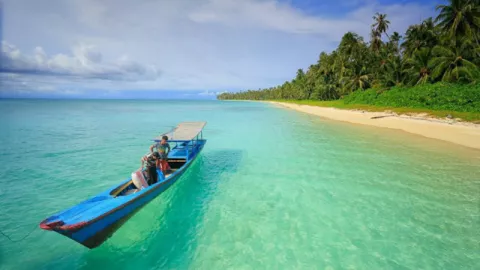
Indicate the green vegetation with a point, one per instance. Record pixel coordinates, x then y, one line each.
439 96
435 67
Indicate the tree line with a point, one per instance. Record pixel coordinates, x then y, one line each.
445 48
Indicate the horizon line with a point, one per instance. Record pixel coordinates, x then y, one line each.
100 98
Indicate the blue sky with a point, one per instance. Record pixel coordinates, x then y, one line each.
176 48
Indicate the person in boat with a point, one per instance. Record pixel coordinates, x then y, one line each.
151 162
163 148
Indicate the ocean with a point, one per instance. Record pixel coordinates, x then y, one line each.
272 189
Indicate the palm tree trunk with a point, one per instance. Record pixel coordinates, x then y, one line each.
478 44
456 69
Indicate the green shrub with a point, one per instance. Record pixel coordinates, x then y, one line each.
439 96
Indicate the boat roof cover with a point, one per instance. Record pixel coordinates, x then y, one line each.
185 131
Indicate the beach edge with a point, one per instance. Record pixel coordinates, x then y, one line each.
460 133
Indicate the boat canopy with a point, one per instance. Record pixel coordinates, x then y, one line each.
185 131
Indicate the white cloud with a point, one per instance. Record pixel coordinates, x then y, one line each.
271 15
196 44
84 62
274 15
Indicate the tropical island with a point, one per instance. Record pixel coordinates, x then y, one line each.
432 69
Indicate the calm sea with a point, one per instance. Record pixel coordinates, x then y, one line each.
272 189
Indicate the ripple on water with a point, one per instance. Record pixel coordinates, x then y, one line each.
273 189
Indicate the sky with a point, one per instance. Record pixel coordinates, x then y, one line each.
187 49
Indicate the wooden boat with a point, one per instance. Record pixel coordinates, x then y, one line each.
93 221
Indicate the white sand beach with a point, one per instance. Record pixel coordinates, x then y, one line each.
450 130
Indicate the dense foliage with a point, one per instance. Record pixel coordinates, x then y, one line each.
440 96
445 49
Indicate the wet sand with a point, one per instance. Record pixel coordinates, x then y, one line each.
450 130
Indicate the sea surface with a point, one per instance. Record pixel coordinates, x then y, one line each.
272 189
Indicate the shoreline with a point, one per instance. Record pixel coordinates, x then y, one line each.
460 133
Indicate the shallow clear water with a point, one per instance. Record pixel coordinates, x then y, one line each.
272 189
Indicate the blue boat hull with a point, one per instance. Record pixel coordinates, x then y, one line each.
94 230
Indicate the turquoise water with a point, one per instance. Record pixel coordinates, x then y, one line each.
272 189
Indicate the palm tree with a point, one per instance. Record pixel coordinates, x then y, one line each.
350 44
460 18
417 68
395 38
453 62
376 41
325 89
381 23
477 59
391 72
340 66
412 41
419 36
358 77
394 43
325 63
